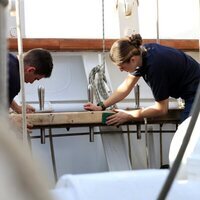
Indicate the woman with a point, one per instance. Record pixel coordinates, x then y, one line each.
169 73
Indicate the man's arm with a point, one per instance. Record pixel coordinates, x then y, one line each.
17 120
15 107
18 109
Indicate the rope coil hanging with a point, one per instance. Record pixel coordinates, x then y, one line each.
98 81
97 77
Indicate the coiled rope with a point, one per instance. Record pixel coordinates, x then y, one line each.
97 77
98 81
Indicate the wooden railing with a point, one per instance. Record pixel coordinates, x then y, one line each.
92 44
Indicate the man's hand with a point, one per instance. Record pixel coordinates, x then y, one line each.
16 120
18 108
30 109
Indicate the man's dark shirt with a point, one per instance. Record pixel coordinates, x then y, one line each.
13 77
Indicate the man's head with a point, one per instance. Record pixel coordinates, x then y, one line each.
38 63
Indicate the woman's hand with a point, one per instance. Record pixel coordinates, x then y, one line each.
119 118
92 107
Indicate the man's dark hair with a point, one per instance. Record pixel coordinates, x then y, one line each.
41 59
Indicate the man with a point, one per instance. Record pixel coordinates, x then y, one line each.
38 64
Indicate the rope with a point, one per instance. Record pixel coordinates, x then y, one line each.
97 77
3 62
98 81
21 66
157 22
103 37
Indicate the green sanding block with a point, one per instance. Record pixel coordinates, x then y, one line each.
104 117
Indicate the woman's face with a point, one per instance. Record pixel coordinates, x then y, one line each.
131 65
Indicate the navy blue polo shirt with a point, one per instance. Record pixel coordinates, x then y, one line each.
13 77
169 72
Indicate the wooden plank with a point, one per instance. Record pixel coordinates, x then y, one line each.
62 118
84 44
65 118
30 43
182 44
91 118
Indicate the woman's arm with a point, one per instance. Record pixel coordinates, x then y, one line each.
158 109
122 116
122 91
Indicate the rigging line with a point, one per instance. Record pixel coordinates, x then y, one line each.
199 31
97 77
157 22
177 162
103 36
3 60
21 65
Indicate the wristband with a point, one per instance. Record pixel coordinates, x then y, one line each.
102 105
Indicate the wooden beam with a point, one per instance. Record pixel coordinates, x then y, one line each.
49 44
62 118
84 44
88 118
186 45
72 45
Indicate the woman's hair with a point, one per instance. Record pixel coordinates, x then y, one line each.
123 49
41 59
